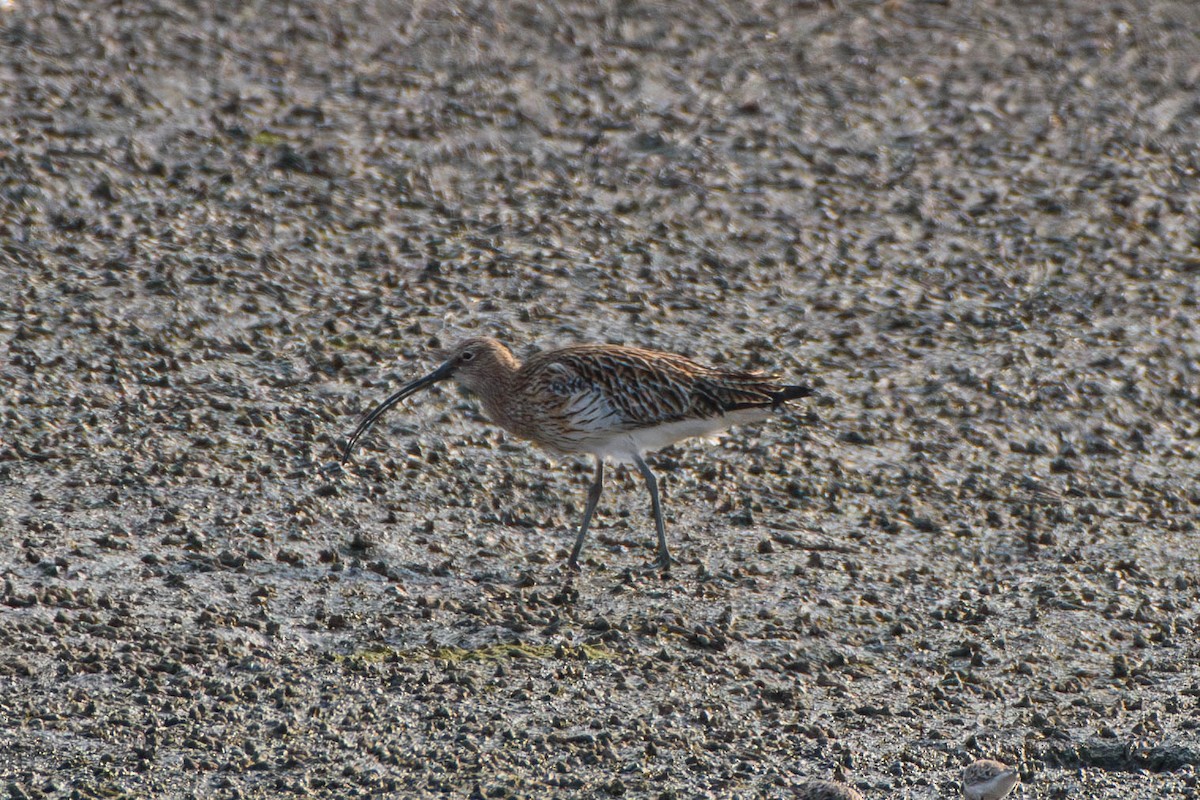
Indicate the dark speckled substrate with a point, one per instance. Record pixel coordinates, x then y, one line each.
228 229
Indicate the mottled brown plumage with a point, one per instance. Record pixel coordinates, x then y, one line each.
610 401
986 779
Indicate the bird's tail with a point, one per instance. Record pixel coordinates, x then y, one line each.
785 393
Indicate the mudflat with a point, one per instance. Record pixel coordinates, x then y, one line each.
227 230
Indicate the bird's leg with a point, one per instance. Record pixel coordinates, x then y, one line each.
663 561
593 497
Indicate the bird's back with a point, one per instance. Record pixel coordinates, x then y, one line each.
586 392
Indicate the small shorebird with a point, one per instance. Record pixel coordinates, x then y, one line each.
610 401
826 790
986 779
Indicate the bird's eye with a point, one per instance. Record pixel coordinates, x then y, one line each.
467 355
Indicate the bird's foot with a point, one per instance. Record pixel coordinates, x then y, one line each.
567 593
660 564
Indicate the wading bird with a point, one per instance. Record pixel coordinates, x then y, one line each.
610 401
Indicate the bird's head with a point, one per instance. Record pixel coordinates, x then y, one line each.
480 364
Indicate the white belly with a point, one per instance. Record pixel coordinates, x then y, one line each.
623 446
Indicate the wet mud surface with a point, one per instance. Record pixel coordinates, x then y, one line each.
228 230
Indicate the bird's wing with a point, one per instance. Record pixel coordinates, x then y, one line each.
609 388
580 402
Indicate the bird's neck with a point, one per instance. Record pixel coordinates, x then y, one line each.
498 390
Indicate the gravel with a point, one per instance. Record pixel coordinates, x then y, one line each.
228 229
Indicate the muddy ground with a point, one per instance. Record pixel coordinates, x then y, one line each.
228 229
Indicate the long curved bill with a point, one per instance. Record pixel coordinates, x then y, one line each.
439 374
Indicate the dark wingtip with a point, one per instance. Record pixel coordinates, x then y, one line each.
791 393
